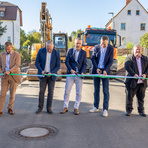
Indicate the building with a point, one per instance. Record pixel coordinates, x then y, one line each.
131 22
11 16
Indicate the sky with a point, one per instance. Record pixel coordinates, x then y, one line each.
70 15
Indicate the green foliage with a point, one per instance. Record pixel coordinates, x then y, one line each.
144 40
129 47
121 59
23 37
2 29
25 56
32 37
27 43
74 35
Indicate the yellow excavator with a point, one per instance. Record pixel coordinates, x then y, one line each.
59 40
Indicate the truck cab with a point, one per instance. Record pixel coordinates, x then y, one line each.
92 37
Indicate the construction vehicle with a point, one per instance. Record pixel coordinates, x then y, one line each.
92 36
59 40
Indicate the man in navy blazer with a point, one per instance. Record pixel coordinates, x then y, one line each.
102 60
76 64
47 62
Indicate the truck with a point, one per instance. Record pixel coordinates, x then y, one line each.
91 36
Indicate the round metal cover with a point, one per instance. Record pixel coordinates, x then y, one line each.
34 132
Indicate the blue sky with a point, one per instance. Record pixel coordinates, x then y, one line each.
70 15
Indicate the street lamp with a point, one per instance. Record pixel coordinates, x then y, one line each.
112 19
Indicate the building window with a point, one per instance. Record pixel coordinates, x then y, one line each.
123 26
2 14
128 12
137 12
123 40
9 39
142 26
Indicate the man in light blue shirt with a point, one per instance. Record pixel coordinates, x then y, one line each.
102 60
8 56
102 56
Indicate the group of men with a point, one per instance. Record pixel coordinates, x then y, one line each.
48 62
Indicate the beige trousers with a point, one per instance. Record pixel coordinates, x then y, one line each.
7 81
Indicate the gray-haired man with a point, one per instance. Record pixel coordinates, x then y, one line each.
136 65
47 62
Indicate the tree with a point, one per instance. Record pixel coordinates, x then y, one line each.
74 35
129 47
2 29
144 40
23 37
27 43
32 37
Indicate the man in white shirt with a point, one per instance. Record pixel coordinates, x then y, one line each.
47 62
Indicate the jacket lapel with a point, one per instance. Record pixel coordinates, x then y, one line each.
73 54
142 64
52 58
135 65
4 60
80 55
11 59
106 54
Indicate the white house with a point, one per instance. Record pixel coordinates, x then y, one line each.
11 16
131 22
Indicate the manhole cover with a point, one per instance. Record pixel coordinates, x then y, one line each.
34 132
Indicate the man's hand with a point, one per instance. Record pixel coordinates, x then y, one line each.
136 75
104 73
72 71
144 76
99 71
43 72
7 73
49 73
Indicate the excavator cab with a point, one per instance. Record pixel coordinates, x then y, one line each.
60 44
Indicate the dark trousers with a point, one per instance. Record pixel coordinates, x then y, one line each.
105 83
139 91
43 83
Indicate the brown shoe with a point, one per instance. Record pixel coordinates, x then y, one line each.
76 112
1 113
64 110
11 112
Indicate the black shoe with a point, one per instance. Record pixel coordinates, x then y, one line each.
50 111
128 113
39 111
142 114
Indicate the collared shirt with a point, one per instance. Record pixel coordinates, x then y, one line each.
139 69
102 56
8 56
48 59
76 54
76 57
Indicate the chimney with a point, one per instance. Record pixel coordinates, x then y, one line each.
128 1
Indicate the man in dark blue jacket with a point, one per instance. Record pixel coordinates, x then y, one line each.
47 62
76 64
102 60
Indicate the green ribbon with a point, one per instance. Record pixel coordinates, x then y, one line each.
79 75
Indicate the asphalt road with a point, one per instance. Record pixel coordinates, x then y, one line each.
88 130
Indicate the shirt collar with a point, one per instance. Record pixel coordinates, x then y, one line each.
139 57
9 53
103 48
76 50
